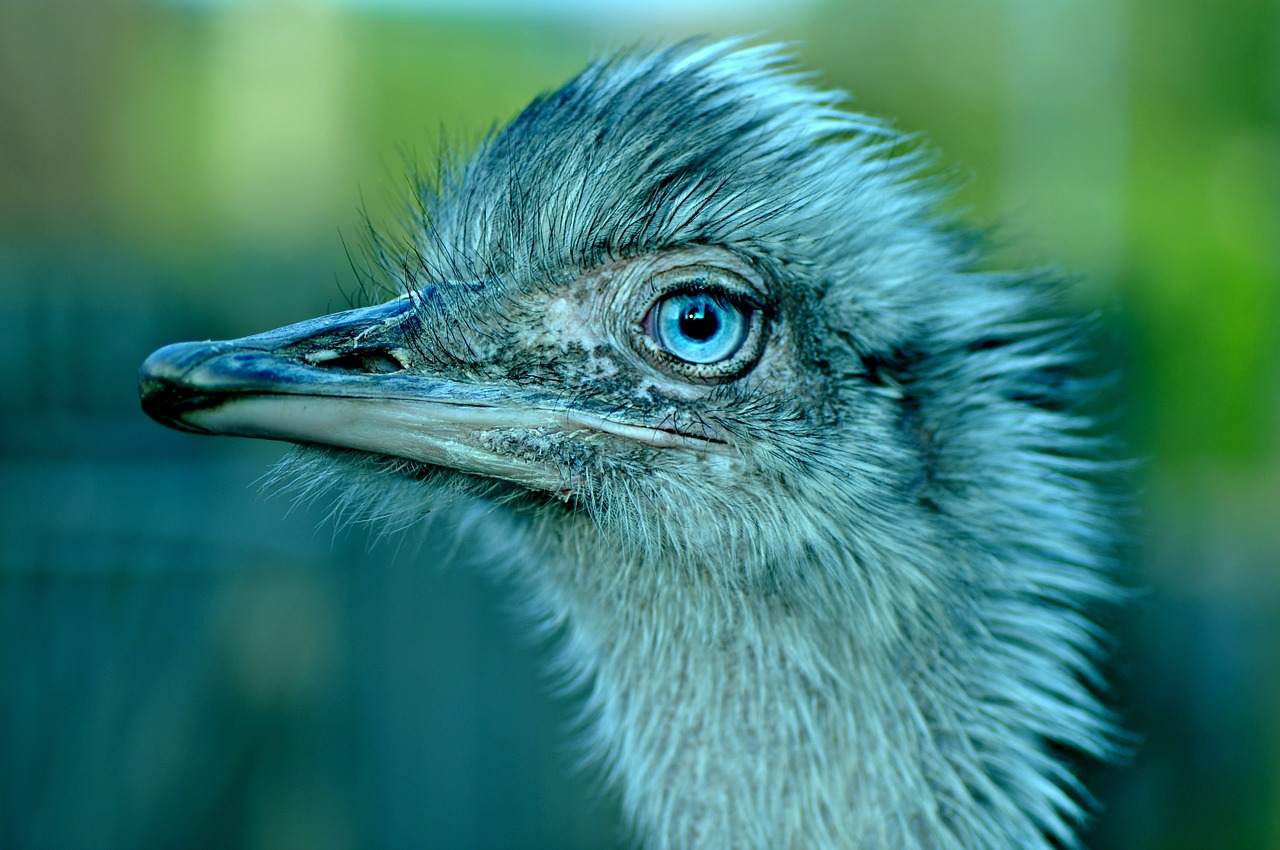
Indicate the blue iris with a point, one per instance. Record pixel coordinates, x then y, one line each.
700 327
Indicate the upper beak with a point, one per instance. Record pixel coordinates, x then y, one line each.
341 380
348 380
188 385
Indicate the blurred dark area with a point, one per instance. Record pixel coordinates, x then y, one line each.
186 661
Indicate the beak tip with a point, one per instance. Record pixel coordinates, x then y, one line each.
173 361
163 383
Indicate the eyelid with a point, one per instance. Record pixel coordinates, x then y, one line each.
712 279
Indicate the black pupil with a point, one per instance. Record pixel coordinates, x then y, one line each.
698 322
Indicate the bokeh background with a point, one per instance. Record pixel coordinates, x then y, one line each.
185 662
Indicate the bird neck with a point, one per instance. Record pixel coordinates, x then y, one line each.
728 717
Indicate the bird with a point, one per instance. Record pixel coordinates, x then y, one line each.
812 496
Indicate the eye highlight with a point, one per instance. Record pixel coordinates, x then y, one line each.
700 327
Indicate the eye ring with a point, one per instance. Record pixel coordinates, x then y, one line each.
702 330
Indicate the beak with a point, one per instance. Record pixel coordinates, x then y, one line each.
348 381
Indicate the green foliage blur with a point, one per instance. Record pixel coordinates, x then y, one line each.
216 161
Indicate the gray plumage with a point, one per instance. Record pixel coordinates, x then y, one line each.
830 589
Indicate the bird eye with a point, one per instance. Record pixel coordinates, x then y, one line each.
700 327
704 327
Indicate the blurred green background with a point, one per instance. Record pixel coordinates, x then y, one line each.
184 663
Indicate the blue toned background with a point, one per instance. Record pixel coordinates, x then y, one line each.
185 662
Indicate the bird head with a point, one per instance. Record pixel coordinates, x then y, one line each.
684 299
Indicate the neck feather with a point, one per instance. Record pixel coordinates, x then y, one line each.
740 717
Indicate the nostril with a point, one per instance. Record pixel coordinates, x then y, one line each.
369 361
